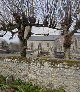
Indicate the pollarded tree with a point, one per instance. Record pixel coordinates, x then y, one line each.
24 29
19 10
66 24
65 12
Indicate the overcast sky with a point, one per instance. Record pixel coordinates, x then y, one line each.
8 35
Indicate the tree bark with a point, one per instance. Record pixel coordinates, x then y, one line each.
23 48
67 44
23 41
67 53
24 30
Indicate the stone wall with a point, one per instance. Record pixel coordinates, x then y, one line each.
43 45
46 73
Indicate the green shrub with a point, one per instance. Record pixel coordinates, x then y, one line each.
2 80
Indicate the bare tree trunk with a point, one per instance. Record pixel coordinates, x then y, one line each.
23 31
67 44
23 48
25 36
67 53
22 41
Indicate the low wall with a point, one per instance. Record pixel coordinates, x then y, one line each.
47 73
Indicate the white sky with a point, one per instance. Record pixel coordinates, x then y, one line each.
8 35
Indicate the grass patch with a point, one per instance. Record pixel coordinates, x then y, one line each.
20 86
